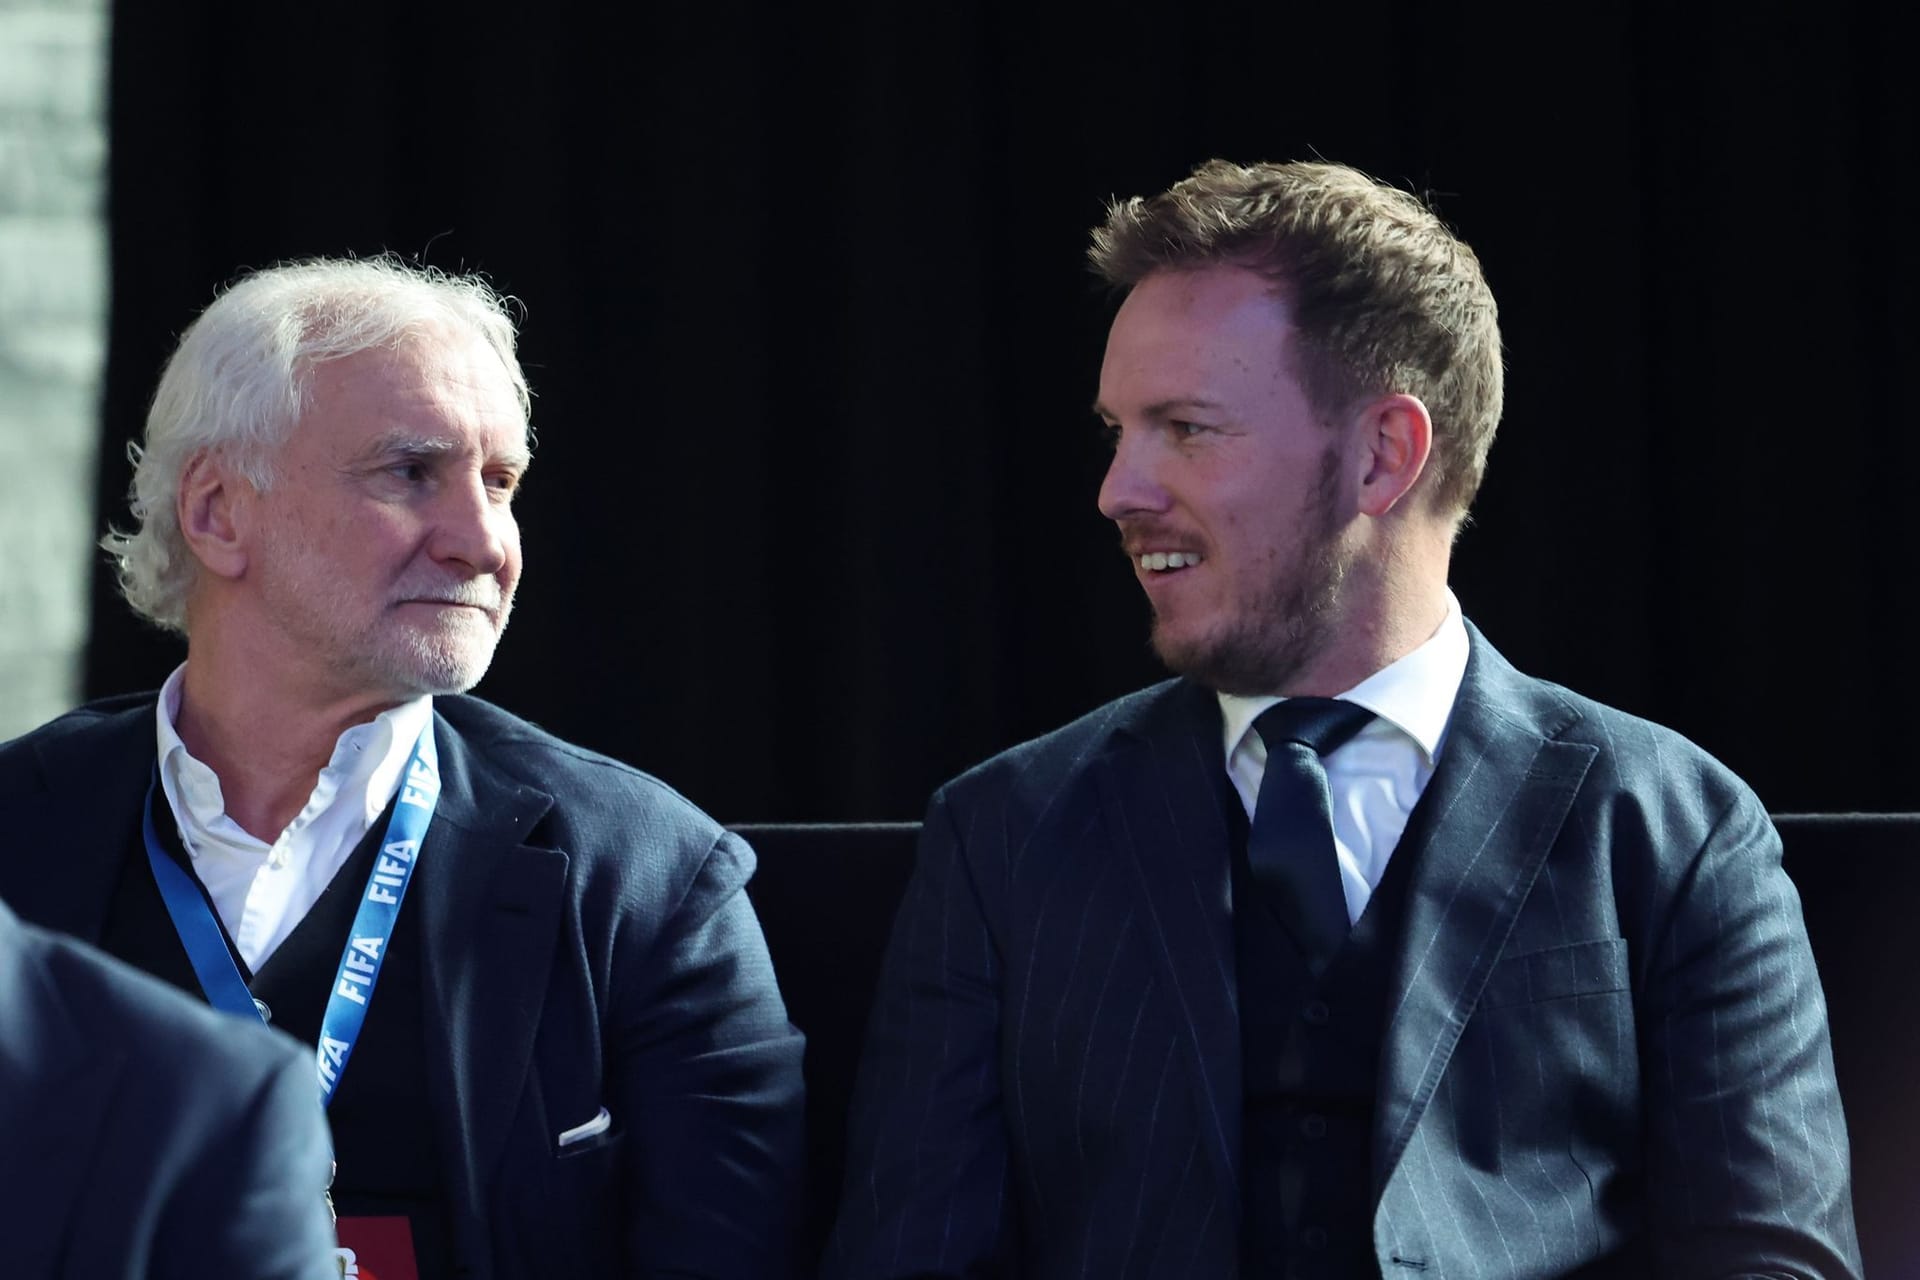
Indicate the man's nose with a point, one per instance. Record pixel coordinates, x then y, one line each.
1132 486
474 527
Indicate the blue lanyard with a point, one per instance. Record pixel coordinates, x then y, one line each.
366 947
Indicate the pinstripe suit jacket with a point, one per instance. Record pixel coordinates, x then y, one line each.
1604 1051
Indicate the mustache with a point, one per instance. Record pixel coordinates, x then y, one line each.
1138 536
478 593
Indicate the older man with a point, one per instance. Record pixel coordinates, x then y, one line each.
1353 951
543 1015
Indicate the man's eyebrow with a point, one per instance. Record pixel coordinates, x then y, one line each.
412 446
1164 408
407 445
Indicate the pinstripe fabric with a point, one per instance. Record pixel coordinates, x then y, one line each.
1605 1052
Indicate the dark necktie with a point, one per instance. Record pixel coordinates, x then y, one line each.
1290 845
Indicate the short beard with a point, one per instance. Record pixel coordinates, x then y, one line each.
1269 642
434 665
365 650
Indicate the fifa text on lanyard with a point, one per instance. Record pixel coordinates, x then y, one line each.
359 970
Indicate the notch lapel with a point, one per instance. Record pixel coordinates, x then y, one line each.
489 913
1495 805
1160 801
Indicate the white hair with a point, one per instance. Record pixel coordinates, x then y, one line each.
241 378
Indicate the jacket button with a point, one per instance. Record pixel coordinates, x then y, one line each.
1314 1238
1316 1012
1314 1126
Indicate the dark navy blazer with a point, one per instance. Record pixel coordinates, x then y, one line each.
1605 1044
587 944
144 1136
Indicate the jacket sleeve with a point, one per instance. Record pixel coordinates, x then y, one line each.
707 1072
927 1186
1747 1146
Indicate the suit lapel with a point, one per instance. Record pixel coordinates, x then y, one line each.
1486 822
1159 795
489 914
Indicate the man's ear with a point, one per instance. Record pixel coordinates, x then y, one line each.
1396 434
209 506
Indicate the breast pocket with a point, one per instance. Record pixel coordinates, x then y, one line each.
1545 1080
585 1135
572 1224
1558 973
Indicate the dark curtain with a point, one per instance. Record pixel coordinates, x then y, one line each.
811 525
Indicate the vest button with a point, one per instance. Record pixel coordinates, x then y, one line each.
1314 1127
1316 1013
1314 1237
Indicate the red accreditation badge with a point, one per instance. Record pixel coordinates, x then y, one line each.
376 1249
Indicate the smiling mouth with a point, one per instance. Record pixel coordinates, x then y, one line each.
1167 561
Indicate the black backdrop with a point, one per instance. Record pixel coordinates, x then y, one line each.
811 524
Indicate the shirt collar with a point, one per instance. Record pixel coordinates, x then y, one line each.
1414 695
368 758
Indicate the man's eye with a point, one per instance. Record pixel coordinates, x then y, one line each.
503 483
1110 434
412 470
1186 430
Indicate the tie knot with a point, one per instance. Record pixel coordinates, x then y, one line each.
1320 724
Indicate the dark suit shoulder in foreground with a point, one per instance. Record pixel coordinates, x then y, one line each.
148 1136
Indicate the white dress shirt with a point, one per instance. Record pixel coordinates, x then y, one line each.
262 891
1376 778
